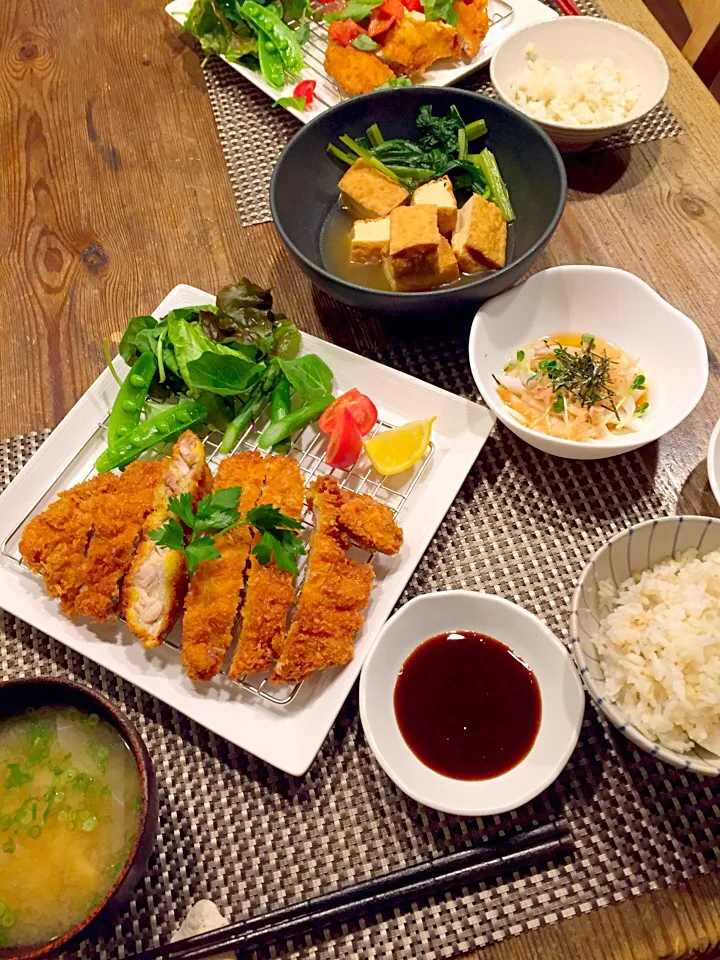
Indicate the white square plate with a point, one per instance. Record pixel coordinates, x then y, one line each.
505 18
287 736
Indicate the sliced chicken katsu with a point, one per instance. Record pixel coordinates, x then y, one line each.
335 591
55 542
368 524
270 592
117 524
154 587
212 602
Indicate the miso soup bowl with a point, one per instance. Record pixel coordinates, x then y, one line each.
16 696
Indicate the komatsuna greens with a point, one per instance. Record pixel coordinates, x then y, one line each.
440 149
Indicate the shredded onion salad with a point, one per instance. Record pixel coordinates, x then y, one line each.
575 387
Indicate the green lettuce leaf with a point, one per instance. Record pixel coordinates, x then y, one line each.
310 376
234 374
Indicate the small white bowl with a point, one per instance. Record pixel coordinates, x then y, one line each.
609 303
628 554
560 691
572 40
713 461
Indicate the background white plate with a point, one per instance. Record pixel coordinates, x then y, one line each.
287 736
510 16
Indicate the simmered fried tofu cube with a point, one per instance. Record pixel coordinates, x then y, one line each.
368 193
414 43
369 240
439 193
446 272
479 240
414 241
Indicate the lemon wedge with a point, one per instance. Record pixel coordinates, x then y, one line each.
396 450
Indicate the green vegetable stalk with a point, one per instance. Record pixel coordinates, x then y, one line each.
279 409
487 163
284 428
251 409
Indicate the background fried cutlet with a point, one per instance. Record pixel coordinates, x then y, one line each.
270 592
355 71
212 602
55 542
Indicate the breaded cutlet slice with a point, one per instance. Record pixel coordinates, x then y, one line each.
155 585
118 520
270 592
335 592
212 602
54 544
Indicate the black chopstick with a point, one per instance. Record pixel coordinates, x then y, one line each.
373 896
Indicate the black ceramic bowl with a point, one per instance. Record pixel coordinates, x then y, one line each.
304 188
19 695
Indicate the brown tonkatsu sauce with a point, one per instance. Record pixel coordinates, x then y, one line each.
467 706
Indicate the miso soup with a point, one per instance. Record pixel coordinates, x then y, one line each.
70 807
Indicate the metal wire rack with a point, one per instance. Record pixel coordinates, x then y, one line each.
327 92
307 449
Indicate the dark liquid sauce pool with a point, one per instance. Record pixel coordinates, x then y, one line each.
335 253
467 706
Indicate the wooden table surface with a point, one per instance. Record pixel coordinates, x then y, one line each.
113 189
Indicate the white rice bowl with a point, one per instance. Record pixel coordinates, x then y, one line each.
660 651
590 92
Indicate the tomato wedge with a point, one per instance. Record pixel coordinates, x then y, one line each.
362 409
306 88
344 31
384 16
345 442
414 5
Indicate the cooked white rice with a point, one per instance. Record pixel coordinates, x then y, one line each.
592 92
660 650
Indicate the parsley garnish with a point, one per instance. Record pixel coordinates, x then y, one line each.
194 530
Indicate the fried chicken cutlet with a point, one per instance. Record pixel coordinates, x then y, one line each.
155 585
84 542
335 592
212 602
54 543
355 71
414 43
270 592
472 26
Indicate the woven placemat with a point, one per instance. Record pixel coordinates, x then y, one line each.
249 837
253 134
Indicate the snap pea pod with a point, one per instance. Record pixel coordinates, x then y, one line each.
126 411
294 422
267 21
271 65
279 409
251 408
163 426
